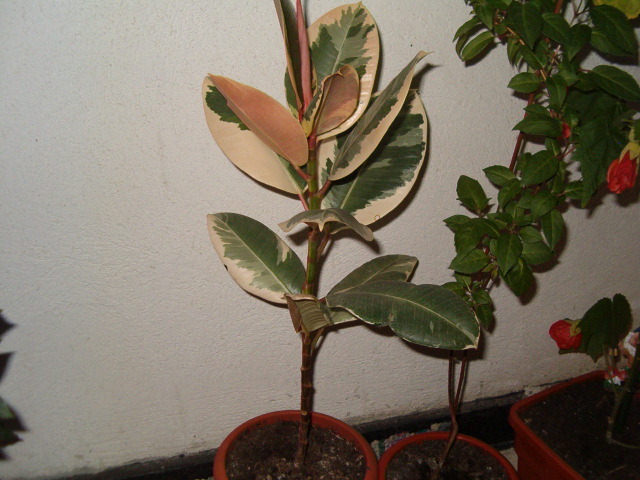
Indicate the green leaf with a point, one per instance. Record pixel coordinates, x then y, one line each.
467 238
307 313
542 203
574 190
520 278
536 124
552 227
616 82
476 46
508 192
615 26
454 222
526 20
255 257
557 88
531 58
539 168
524 82
580 35
530 235
485 13
390 173
385 268
372 127
508 250
467 27
471 194
499 175
604 325
428 315
471 262
329 215
536 253
602 43
485 315
556 28
346 35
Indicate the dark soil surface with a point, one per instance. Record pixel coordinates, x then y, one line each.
573 423
266 453
465 462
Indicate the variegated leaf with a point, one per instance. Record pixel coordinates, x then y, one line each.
428 315
287 18
346 35
269 120
339 98
371 128
321 217
307 313
388 176
256 258
384 268
244 148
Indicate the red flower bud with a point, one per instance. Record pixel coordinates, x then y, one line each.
566 130
560 331
622 173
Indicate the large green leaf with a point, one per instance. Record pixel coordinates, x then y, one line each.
256 258
537 124
616 82
269 120
346 35
540 167
384 268
428 315
604 325
508 250
381 184
615 26
471 194
526 20
243 147
556 27
329 215
374 123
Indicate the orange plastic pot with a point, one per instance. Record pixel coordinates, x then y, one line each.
484 448
536 461
317 419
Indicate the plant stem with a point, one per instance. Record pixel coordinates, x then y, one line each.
623 399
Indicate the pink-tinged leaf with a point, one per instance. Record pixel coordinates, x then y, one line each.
305 56
270 121
339 99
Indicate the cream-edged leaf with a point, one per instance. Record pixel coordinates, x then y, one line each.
255 257
307 313
266 117
428 315
243 147
384 268
346 35
322 217
371 128
287 18
390 173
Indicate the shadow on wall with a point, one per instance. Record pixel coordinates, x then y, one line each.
9 422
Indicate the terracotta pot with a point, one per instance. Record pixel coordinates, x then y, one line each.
536 461
430 436
318 419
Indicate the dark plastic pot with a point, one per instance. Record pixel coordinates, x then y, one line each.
536 461
318 419
431 436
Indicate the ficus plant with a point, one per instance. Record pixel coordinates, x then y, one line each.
579 130
349 156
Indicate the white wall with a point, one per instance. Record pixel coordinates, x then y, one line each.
130 341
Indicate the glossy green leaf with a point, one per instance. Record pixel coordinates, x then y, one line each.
385 268
387 177
574 190
470 262
476 46
508 192
536 124
552 227
508 250
536 253
467 27
604 325
244 148
485 315
329 215
556 27
454 222
520 278
471 194
580 35
530 235
602 43
526 20
346 35
428 315
467 238
557 88
616 82
615 26
374 124
255 257
499 175
542 203
524 82
540 167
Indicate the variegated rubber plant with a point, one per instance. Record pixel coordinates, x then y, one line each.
350 156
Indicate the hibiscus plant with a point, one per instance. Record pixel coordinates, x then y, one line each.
605 331
349 156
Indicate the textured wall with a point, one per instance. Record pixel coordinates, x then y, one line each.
130 341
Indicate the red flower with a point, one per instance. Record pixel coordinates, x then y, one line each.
622 173
561 332
566 130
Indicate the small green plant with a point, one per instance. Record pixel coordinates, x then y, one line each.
350 156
